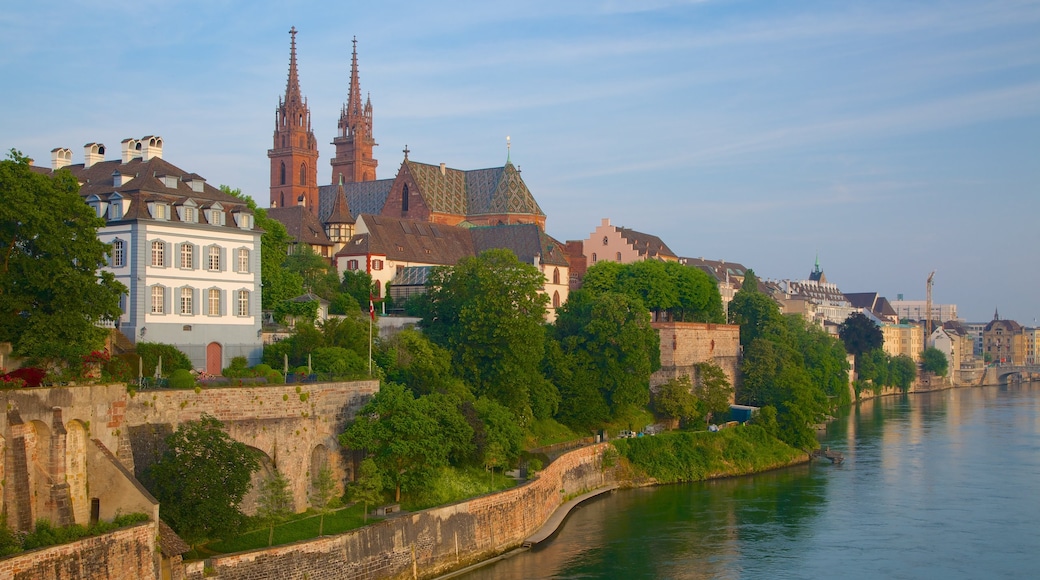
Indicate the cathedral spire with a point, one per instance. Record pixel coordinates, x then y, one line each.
354 94
294 151
292 86
354 140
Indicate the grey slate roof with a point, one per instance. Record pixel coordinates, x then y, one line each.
301 224
647 245
364 197
525 240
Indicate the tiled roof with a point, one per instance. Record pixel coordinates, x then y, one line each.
410 241
170 544
340 213
525 240
477 192
647 245
363 197
718 269
301 224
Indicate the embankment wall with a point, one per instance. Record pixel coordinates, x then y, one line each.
127 554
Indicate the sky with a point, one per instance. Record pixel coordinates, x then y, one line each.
888 138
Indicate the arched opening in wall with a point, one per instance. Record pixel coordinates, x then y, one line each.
321 459
283 174
556 275
214 358
556 300
404 198
38 445
303 174
76 471
249 502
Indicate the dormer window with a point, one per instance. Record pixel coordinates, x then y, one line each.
189 215
115 208
169 181
159 211
244 220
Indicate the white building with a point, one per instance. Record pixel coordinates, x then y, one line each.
188 253
914 310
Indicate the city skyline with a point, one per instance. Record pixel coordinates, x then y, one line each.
889 139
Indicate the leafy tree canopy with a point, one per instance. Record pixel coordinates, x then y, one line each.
201 479
757 314
675 400
934 361
860 334
488 311
681 293
52 294
713 389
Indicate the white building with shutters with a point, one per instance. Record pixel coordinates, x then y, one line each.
188 253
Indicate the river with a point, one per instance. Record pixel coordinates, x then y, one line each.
942 485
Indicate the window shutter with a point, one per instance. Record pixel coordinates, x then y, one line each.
177 255
223 259
166 300
166 255
196 257
195 306
223 302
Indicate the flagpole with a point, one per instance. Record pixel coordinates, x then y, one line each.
371 322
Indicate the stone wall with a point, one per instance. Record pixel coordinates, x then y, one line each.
127 554
684 344
428 543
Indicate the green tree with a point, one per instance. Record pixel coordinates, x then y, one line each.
902 372
323 493
669 288
317 273
860 335
675 400
757 314
408 438
713 389
488 311
934 361
421 365
52 292
504 437
201 479
367 488
279 284
274 503
359 285
874 366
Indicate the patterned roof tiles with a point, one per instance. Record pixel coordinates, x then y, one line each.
363 197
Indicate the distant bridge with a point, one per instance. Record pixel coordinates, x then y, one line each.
1004 374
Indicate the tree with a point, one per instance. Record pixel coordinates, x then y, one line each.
359 285
52 292
934 361
757 314
713 389
274 503
902 372
279 284
323 490
201 479
682 293
503 435
675 400
489 312
408 438
368 486
860 335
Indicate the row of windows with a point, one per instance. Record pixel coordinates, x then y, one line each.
187 301
213 256
595 259
303 170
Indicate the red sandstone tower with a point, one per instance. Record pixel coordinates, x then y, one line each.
294 153
354 141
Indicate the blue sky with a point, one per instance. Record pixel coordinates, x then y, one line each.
892 138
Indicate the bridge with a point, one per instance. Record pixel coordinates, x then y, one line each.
1007 373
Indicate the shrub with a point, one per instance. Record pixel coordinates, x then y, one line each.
301 370
172 359
182 379
23 377
274 377
261 370
239 368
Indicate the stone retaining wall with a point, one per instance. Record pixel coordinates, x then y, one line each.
426 543
127 554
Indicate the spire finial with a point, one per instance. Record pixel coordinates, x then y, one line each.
406 153
354 93
292 86
508 147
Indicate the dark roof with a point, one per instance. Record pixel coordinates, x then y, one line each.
525 240
410 241
340 208
170 544
1008 325
648 245
955 327
363 197
301 224
717 269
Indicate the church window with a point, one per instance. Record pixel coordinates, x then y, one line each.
379 288
301 143
556 299
404 198
303 174
283 178
556 275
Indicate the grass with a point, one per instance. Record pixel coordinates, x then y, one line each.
544 432
634 421
453 484
301 527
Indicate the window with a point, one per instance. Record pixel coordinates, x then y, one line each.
159 211
187 256
158 299
189 214
377 264
214 217
244 221
213 258
243 260
303 172
283 171
556 275
159 254
556 300
186 301
593 257
213 302
404 198
352 264
619 256
242 303
118 254
605 240
115 211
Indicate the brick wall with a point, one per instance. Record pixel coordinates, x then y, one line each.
684 344
127 554
427 543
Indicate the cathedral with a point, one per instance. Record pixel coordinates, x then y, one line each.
419 191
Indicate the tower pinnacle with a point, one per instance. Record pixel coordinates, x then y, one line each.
294 151
354 140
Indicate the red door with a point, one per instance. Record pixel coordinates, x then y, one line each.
214 358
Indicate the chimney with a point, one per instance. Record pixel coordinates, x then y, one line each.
131 149
60 157
302 200
443 171
93 153
150 146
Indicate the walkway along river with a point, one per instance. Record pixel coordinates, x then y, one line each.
939 485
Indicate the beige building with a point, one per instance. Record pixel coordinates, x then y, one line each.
1004 341
905 339
616 244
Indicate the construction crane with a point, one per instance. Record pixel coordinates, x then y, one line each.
928 307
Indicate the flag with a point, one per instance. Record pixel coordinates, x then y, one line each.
371 308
